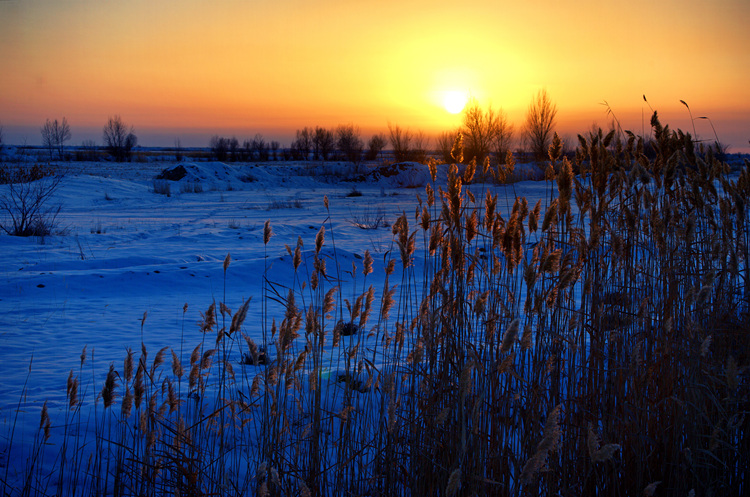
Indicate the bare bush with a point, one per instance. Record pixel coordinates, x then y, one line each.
375 146
369 220
25 200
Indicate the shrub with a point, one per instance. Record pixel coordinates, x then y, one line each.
369 220
375 146
25 200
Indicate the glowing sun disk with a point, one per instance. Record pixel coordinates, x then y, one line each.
455 101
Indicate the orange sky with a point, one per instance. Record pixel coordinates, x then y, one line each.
193 68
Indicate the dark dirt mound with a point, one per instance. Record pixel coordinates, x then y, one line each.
173 173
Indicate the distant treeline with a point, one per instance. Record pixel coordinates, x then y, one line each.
485 133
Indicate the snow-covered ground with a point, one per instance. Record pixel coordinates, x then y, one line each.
123 250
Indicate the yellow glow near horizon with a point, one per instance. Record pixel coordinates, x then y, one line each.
244 67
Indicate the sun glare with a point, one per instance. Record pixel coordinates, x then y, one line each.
455 101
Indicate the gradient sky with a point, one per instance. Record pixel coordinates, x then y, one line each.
192 68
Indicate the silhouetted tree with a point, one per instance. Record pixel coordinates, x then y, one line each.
349 143
258 148
275 149
323 143
479 131
54 136
375 146
233 144
219 147
302 145
400 142
540 124
118 139
1 138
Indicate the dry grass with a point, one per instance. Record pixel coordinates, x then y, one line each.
595 345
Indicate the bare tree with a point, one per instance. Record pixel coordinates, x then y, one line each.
234 148
259 149
54 136
540 124
400 141
118 139
303 144
219 147
349 143
323 143
275 149
48 138
479 131
375 146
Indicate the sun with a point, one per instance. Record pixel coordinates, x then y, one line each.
454 101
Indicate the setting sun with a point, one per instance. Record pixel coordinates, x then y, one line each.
455 101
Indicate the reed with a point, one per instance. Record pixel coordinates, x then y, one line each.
593 344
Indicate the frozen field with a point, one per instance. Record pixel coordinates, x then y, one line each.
554 337
124 250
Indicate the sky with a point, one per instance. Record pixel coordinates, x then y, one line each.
190 69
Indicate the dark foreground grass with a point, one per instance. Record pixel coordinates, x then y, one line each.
594 345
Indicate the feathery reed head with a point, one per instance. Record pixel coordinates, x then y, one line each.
110 384
457 152
267 232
